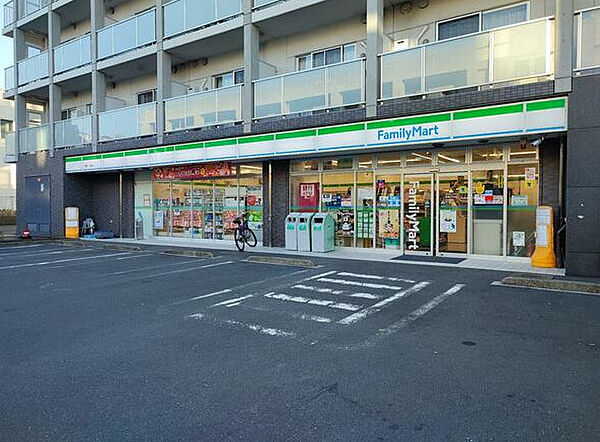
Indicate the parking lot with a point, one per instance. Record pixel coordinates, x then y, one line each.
99 343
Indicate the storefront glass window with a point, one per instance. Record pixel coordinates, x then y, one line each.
389 159
523 191
305 166
202 209
389 194
364 162
338 199
162 208
453 212
251 201
181 208
338 163
365 197
523 151
450 157
492 153
487 206
420 158
418 210
226 208
306 193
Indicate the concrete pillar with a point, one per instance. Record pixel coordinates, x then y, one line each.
251 47
564 46
163 90
19 53
97 11
54 91
374 48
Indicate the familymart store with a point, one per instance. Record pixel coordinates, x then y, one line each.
454 183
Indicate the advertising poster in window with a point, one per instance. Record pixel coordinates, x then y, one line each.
389 225
308 196
447 221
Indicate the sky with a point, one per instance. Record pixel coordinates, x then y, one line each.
6 54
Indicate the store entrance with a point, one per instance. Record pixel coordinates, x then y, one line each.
435 212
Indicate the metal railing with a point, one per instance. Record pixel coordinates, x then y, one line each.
73 54
34 139
217 106
73 132
9 12
185 15
33 68
587 39
510 53
9 78
126 35
27 7
127 122
335 85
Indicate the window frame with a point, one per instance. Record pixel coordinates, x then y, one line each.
309 56
233 74
149 91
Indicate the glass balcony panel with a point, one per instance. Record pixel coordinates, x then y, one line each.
229 107
268 97
175 114
228 8
9 13
174 17
125 37
9 77
201 110
127 122
27 7
11 145
146 28
33 68
520 51
590 39
34 139
259 3
346 84
73 132
146 119
401 74
468 65
72 54
198 16
105 42
304 91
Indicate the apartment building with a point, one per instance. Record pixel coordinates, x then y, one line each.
8 172
432 127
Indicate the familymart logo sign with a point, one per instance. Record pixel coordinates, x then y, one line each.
413 133
412 216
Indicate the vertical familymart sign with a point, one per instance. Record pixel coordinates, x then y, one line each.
534 117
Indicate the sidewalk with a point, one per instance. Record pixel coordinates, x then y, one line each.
392 256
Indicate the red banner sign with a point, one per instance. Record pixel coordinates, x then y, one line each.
194 172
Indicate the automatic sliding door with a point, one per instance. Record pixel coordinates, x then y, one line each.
418 214
453 213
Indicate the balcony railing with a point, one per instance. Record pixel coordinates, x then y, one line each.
9 12
261 3
9 78
185 15
11 147
33 68
505 54
27 7
587 39
127 35
335 85
34 139
72 54
201 109
127 122
73 132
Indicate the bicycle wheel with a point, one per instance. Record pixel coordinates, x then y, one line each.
251 238
239 240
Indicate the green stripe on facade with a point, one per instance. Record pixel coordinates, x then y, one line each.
543 105
229 142
341 129
489 112
298 134
190 146
258 139
72 159
410 121
112 155
91 157
133 153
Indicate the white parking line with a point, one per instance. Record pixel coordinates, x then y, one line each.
124 272
335 292
135 256
39 252
381 278
321 302
319 276
235 301
189 269
60 261
210 295
377 307
361 284
25 247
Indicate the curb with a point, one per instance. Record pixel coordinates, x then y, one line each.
277 260
553 284
185 252
122 247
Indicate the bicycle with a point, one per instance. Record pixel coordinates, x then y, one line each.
243 234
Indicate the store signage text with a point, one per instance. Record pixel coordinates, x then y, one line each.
408 133
211 170
412 216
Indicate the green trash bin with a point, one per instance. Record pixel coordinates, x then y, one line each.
323 232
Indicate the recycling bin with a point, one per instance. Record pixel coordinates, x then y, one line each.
304 236
291 231
323 232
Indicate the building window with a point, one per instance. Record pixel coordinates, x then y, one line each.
483 21
229 79
146 97
326 57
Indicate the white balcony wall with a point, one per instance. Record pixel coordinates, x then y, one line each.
76 30
9 78
127 35
587 39
33 68
72 54
73 132
127 90
34 139
198 77
186 15
326 87
507 54
209 108
127 122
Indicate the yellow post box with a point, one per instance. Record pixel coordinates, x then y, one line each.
72 222
544 255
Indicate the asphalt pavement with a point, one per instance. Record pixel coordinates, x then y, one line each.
101 344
